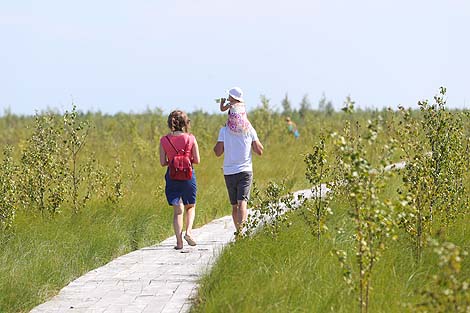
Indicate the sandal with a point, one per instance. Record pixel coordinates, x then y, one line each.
177 248
189 240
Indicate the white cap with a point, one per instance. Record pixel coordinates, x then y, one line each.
236 93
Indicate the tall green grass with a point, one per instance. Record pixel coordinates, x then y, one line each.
295 272
42 254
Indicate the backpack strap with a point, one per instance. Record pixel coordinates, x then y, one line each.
177 151
167 138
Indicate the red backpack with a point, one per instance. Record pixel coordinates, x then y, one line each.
180 165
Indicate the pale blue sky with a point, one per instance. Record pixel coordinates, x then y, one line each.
113 56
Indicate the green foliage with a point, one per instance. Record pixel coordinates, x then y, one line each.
444 133
305 106
95 175
286 106
433 191
75 133
43 175
325 106
449 292
378 208
286 273
348 105
120 191
266 121
8 172
114 191
373 215
317 171
414 216
269 208
115 183
294 272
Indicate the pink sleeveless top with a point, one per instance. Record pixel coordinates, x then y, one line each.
179 142
238 122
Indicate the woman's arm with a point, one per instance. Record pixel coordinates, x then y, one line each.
195 151
163 158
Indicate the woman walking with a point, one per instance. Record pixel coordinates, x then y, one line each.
181 194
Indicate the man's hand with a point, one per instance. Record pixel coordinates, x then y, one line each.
219 148
257 147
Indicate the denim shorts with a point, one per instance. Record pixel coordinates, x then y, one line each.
177 191
238 186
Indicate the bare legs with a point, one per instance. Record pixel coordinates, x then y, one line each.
239 214
178 221
189 217
178 224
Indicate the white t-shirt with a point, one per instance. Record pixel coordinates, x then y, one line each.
237 150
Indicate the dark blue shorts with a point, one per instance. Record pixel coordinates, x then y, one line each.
180 190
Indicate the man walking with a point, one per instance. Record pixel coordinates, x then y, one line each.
238 168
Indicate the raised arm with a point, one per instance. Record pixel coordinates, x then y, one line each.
224 107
